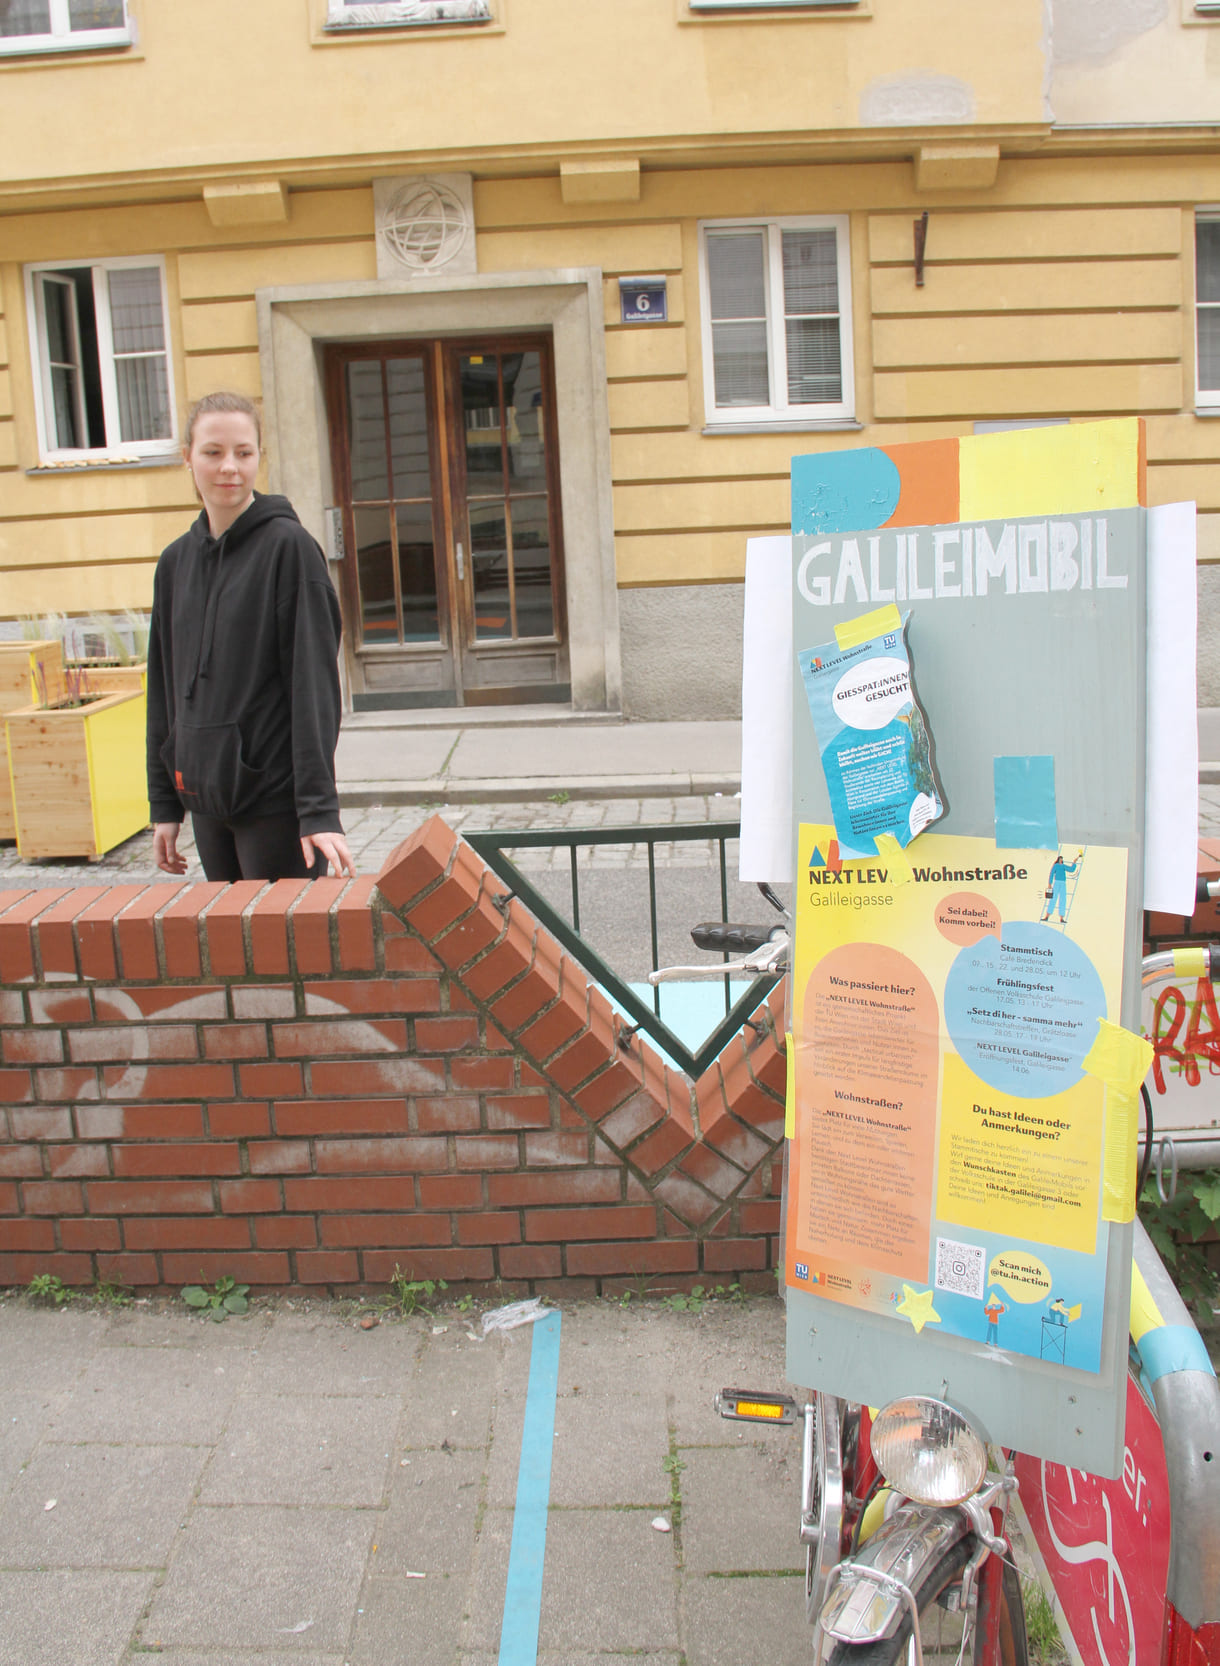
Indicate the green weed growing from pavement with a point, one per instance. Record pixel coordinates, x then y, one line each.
697 1298
1045 1643
49 1287
409 1295
108 1294
226 1296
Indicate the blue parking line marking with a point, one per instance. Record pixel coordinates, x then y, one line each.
523 1592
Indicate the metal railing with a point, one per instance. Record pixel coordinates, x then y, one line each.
643 1015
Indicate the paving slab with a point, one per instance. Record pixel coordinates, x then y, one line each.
392 755
303 1449
86 1617
740 1506
630 751
429 1525
408 1620
609 1583
263 1578
98 1506
742 1622
306 1354
185 1395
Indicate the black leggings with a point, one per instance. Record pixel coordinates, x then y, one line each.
259 847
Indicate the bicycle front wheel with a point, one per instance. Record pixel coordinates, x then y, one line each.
941 1621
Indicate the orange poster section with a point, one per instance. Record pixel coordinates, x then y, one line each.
868 1098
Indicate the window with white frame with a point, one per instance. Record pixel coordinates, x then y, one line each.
1207 309
774 5
101 361
62 25
388 14
776 320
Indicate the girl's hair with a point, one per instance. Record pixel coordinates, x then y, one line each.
226 402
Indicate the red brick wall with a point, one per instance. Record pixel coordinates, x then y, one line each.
309 1084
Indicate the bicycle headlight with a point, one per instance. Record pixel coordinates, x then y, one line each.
927 1451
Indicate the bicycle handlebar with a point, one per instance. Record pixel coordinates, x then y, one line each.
738 939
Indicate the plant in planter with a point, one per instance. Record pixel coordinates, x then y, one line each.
76 768
31 670
116 650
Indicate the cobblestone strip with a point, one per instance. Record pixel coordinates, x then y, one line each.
373 832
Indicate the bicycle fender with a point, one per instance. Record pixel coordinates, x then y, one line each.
871 1592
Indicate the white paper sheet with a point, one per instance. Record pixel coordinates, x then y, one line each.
766 714
1172 789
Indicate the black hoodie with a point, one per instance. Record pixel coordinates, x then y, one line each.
243 681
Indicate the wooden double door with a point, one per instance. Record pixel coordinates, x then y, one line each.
445 463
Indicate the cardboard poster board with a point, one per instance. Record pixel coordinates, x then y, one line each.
952 1170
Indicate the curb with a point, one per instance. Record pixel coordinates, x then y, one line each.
364 794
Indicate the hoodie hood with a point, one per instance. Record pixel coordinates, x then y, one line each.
267 506
212 551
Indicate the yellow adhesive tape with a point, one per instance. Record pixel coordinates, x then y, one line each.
1118 1057
1191 961
1145 1315
867 626
899 869
1118 1174
790 1089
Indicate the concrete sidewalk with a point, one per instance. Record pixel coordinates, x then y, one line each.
290 1488
518 754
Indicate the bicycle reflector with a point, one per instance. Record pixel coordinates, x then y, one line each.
927 1451
755 1408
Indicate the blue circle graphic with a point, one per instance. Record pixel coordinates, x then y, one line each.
1022 1012
844 491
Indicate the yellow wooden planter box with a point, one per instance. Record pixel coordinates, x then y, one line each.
110 679
21 684
77 775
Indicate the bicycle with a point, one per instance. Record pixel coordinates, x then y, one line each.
896 1570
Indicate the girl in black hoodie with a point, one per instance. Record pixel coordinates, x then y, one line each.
243 681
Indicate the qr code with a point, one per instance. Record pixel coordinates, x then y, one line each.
960 1267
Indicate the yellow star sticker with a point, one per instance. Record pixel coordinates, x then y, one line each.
916 1305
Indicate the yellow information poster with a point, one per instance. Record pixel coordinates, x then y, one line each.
948 1155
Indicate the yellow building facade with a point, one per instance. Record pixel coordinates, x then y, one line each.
540 297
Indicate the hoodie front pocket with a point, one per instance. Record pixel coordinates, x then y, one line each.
209 772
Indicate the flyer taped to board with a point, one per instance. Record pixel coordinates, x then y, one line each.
874 742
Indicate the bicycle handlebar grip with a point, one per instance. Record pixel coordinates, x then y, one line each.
1203 885
718 935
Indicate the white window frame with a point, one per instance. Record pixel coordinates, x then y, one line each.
44 404
1206 399
774 5
779 413
63 38
405 14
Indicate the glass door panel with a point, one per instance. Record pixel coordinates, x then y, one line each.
481 418
525 430
507 505
489 571
375 575
532 566
370 475
421 617
407 416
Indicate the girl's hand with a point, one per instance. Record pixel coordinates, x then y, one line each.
165 847
334 847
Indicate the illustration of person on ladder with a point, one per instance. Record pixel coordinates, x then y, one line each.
1056 885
